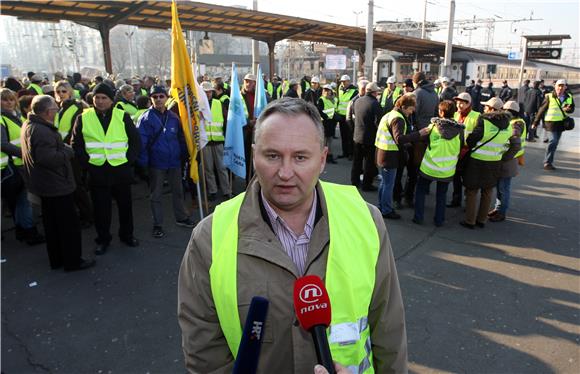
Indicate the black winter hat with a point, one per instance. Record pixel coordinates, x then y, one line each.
104 89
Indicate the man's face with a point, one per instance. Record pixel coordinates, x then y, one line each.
158 100
288 160
249 85
345 83
560 88
9 104
102 102
391 86
463 106
315 85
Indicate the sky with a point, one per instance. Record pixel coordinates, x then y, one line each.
557 17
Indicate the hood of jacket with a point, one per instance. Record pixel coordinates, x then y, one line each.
448 128
36 119
500 119
427 86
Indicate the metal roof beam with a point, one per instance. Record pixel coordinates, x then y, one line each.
133 9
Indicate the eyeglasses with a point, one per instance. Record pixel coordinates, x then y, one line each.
157 97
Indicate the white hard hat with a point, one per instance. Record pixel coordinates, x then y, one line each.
561 82
444 79
249 77
392 80
206 86
512 105
315 80
345 78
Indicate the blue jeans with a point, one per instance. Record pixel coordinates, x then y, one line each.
386 190
440 199
23 215
502 203
553 140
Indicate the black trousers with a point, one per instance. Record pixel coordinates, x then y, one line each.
363 162
102 197
81 194
62 230
345 136
411 181
457 188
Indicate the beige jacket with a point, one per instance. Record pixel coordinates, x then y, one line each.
264 269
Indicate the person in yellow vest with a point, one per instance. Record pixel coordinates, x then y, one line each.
555 111
69 110
327 108
163 152
127 100
213 152
138 88
468 117
509 164
346 92
286 225
488 142
390 95
49 175
107 144
218 79
35 84
392 135
314 92
14 193
444 138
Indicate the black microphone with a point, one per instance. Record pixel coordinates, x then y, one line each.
251 342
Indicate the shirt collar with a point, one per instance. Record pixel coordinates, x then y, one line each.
274 217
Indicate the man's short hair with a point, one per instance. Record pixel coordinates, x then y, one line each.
289 106
418 77
41 103
448 108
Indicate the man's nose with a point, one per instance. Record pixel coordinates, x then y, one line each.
286 171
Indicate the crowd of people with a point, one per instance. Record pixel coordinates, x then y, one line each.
73 145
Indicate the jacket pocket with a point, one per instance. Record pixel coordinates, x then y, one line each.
247 289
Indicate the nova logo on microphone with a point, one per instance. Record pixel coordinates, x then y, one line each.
310 293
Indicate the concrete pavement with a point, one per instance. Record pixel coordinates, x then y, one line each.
504 299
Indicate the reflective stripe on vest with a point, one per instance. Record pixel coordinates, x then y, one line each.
35 87
441 156
13 130
554 113
64 124
329 107
470 121
349 333
215 128
111 146
127 107
343 99
522 136
384 140
493 150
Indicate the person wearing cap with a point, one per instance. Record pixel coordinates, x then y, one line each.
488 143
138 88
213 152
437 84
48 89
346 92
326 105
505 94
448 92
531 103
509 164
392 135
313 93
367 115
107 144
292 89
555 111
34 86
391 93
162 153
444 138
468 117
126 100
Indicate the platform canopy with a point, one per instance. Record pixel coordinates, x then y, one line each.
266 27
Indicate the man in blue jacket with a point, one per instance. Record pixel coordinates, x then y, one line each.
163 150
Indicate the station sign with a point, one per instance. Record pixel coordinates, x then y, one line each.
512 55
544 53
335 62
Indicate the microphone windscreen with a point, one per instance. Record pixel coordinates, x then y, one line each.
252 336
311 302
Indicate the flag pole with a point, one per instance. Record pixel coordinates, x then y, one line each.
200 150
187 105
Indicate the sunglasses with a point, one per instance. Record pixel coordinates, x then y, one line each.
157 97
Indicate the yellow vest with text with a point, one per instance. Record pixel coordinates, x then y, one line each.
13 130
384 139
494 149
215 128
554 113
441 156
349 221
343 100
64 122
112 146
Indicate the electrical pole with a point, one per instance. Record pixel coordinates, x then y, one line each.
423 31
255 50
369 43
449 46
522 66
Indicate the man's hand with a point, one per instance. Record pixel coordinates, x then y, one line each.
319 369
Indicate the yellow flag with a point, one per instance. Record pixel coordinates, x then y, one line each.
183 90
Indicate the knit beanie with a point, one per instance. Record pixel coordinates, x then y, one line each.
104 89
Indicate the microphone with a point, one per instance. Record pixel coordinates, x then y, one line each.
251 342
312 307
